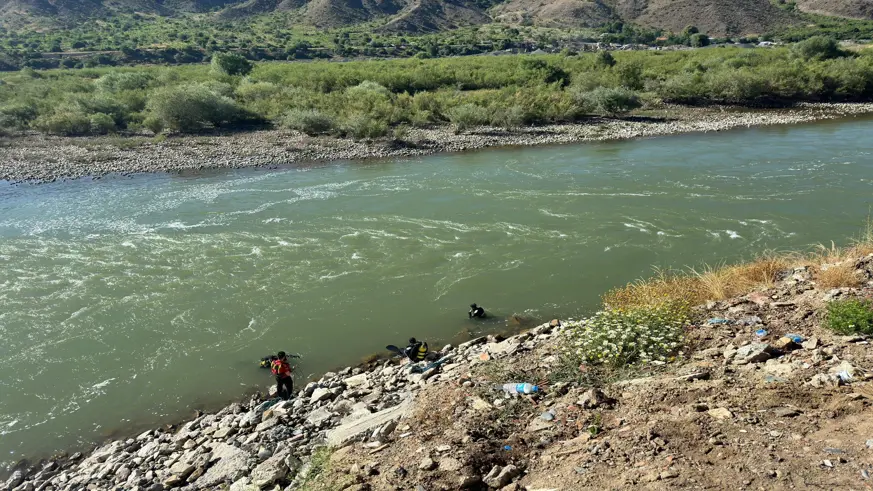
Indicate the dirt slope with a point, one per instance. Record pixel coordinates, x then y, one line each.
741 412
852 9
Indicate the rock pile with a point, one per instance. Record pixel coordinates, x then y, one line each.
264 444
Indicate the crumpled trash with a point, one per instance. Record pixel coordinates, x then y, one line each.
718 320
761 333
797 338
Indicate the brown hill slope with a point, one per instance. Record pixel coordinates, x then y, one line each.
436 15
714 17
852 9
555 13
336 13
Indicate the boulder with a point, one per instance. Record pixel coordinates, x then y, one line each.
224 433
320 394
753 353
357 381
318 416
230 463
504 477
182 469
349 431
720 413
271 470
592 399
427 464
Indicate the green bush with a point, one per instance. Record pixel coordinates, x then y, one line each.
850 316
616 337
630 74
365 127
609 101
308 121
685 88
604 59
698 40
509 118
17 116
817 48
64 122
734 86
230 64
467 116
101 124
118 81
190 107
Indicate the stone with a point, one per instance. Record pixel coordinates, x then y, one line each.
240 484
720 413
318 416
357 381
182 469
592 399
448 464
266 425
230 463
479 404
173 481
468 481
427 464
271 470
14 480
347 432
668 474
753 353
320 394
554 323
264 454
547 416
810 344
444 448
785 412
506 475
224 433
785 344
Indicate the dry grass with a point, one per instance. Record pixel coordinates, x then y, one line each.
832 267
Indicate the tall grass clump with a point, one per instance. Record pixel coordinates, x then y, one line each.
308 121
853 316
616 337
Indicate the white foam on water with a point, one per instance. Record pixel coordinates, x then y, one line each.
607 249
256 251
556 215
128 244
355 255
102 384
732 234
636 226
717 235
283 243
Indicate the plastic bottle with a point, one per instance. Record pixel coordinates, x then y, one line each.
520 388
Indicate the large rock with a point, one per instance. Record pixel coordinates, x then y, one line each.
318 416
503 478
357 381
753 353
182 469
14 480
351 430
271 470
321 394
229 465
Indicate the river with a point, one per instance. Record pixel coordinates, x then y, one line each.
127 302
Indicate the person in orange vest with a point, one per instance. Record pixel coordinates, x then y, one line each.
282 370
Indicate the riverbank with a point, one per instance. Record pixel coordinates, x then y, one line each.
762 394
45 159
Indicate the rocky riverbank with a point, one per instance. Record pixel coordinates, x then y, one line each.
44 159
763 398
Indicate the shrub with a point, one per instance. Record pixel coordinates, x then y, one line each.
685 88
604 59
17 116
817 48
467 116
509 118
617 337
65 122
118 81
699 40
734 86
190 108
365 127
609 101
230 64
630 75
101 124
850 316
308 121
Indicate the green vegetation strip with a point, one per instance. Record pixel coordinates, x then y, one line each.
369 99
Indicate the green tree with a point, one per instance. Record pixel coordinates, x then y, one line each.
604 59
699 40
817 48
231 64
190 107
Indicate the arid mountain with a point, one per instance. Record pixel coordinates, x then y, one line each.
714 17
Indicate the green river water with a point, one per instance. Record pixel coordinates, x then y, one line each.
127 302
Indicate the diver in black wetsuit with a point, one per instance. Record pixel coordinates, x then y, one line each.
476 312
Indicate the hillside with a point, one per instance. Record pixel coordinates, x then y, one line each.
714 17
